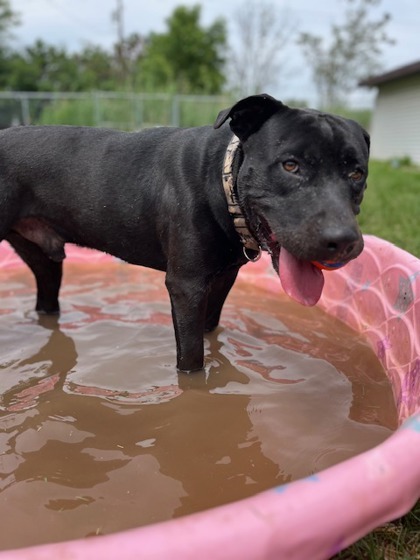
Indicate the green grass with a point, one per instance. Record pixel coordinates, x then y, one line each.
391 210
399 540
130 113
391 207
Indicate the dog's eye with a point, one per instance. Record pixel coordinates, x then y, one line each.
290 166
356 175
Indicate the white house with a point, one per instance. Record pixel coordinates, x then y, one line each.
395 126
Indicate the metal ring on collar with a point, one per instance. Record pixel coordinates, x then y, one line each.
252 259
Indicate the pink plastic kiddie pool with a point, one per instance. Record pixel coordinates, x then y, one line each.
378 295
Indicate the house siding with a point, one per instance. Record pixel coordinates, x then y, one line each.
395 127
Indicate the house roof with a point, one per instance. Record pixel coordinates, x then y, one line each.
401 72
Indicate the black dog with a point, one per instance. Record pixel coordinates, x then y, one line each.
190 202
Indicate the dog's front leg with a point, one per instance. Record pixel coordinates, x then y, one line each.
188 304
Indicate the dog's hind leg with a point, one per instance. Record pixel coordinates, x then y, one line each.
47 272
218 293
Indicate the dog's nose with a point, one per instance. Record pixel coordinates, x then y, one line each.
339 241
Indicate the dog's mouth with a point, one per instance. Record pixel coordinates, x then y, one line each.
302 280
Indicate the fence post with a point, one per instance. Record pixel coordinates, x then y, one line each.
176 112
138 110
96 108
26 115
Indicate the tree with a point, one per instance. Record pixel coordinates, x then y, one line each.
188 57
117 17
262 32
42 67
95 69
128 51
8 20
353 52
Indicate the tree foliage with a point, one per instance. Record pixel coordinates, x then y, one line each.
352 53
8 20
186 58
191 58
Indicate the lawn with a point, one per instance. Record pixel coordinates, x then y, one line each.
399 540
391 210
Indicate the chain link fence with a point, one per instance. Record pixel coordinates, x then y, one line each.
125 111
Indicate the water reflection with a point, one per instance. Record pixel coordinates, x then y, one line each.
55 359
78 451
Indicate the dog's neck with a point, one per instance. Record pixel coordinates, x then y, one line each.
247 239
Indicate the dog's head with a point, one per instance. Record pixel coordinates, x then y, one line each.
300 186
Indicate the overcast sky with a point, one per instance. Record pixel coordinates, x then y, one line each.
73 24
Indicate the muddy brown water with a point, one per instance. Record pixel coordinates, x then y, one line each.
99 433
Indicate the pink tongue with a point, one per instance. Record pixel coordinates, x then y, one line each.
301 280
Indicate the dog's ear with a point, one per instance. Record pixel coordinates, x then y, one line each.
249 114
367 138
